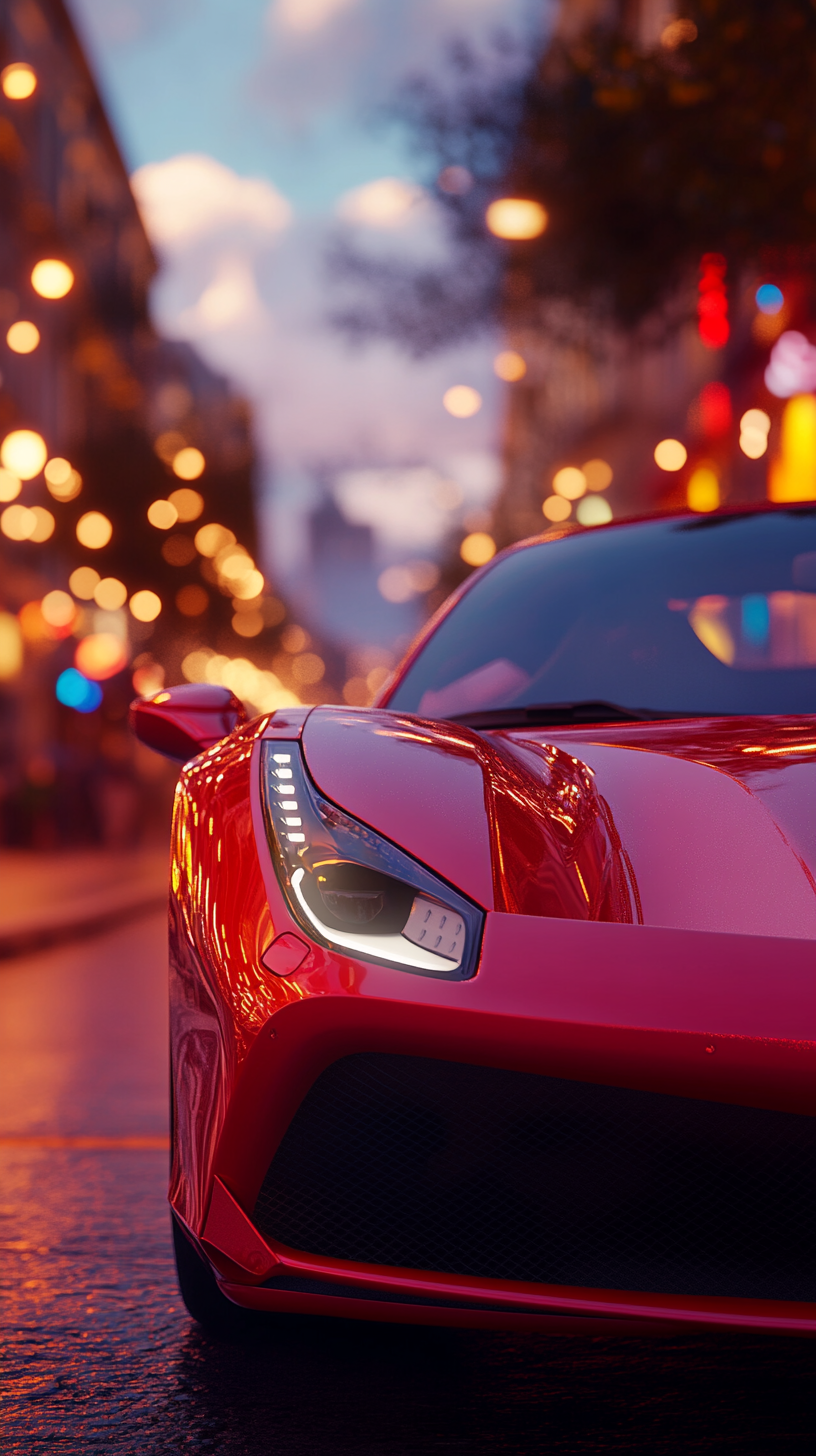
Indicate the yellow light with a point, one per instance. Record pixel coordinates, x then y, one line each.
23 337
100 656
52 278
11 646
593 510
792 477
93 530
23 452
44 527
670 455
209 540
509 366
83 582
188 463
58 609
234 563
192 601
188 503
247 624
753 443
556 508
308 668
145 606
477 548
462 401
570 483
10 485
598 474
703 490
248 587
162 515
64 483
18 80
110 594
516 218
756 419
18 523
293 638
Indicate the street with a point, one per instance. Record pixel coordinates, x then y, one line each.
99 1353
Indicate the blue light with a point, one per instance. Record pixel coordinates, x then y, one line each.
756 619
78 692
769 298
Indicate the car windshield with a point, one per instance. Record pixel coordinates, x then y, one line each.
689 617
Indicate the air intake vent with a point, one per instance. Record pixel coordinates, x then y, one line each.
470 1170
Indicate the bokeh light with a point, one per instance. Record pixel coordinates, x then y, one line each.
703 489
100 655
792 476
23 452
188 464
188 503
23 337
516 218
93 530
294 638
677 33
148 679
769 298
477 548
18 523
509 366
670 455
456 181
178 550
556 508
598 474
44 525
64 483
145 606
712 304
10 485
462 401
162 514
110 594
74 690
58 609
308 669
594 510
263 689
211 539
19 81
754 428
11 646
570 482
248 586
83 582
248 624
192 600
52 278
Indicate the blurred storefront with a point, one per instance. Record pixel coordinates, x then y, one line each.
127 526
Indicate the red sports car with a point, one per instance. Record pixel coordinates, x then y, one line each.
495 1004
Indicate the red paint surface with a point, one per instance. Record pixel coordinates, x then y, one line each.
581 992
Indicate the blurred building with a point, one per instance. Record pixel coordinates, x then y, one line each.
585 393
124 420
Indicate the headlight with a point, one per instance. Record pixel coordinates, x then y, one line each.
353 890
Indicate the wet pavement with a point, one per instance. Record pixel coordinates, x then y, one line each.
98 1353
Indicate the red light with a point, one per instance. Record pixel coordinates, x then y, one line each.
715 407
712 304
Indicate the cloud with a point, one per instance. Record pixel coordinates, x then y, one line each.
192 195
386 203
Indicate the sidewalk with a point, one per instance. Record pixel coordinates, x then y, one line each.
48 898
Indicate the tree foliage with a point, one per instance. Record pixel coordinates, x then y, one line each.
644 160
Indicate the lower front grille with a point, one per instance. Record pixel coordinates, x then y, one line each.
470 1170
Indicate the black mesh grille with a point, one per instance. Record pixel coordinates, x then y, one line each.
470 1170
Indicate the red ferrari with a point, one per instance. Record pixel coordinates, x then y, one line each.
495 1004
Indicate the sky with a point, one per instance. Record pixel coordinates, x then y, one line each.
255 133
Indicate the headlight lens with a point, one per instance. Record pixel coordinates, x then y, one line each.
351 889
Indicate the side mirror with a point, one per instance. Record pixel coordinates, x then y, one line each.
183 721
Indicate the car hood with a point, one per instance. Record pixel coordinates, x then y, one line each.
700 825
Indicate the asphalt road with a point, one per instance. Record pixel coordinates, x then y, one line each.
98 1353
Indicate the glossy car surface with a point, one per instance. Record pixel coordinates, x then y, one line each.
507 1017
